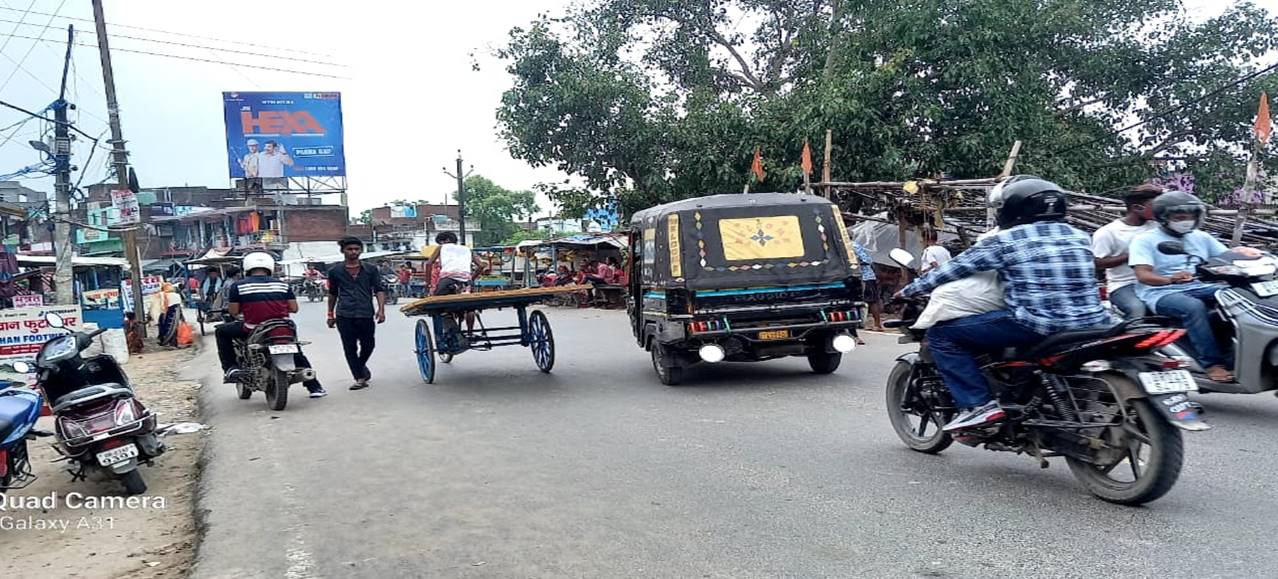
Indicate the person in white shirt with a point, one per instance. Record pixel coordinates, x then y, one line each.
457 264
934 255
1110 244
271 162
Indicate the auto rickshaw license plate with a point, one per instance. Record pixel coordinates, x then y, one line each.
774 335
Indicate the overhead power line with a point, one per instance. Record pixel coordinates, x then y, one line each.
27 54
21 19
184 34
1169 111
192 58
189 45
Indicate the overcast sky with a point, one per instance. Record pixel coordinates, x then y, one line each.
410 99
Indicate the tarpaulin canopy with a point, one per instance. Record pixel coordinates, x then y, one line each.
743 240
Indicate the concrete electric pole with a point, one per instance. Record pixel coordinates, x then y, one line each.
461 201
63 273
120 160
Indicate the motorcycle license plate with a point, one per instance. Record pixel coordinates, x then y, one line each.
1168 382
774 335
283 349
110 457
1265 289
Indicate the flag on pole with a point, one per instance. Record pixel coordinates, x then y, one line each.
806 162
1263 125
757 166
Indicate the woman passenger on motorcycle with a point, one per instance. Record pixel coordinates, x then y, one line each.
1049 285
1166 283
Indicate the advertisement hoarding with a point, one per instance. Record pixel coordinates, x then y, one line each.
273 135
126 206
24 330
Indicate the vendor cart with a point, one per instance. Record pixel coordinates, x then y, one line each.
443 336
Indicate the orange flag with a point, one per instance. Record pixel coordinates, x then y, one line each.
1263 126
757 166
806 162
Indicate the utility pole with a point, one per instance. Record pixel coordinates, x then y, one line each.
63 273
461 200
120 160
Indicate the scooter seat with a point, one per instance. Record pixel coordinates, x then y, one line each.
89 394
13 410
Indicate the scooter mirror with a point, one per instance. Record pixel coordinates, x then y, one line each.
22 367
54 320
901 256
1172 248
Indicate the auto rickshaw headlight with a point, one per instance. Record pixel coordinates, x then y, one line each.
712 353
843 343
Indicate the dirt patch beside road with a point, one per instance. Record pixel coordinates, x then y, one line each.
150 540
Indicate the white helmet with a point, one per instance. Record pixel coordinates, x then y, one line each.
259 260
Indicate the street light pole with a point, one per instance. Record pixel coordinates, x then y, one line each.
63 272
120 160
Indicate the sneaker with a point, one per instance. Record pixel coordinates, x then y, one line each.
359 385
231 376
319 392
977 417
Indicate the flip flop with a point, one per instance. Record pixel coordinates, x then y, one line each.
1223 376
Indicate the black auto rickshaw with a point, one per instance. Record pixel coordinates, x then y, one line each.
746 277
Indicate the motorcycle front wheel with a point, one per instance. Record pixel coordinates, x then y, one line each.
133 483
1155 453
916 425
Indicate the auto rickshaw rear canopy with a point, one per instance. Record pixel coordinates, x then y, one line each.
743 240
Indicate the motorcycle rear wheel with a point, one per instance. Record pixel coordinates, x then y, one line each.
133 482
915 436
1154 463
277 391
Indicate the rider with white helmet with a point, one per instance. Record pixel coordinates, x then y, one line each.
259 297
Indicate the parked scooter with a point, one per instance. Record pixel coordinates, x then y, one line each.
19 411
267 362
100 423
1246 310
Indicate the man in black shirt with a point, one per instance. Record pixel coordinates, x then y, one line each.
352 288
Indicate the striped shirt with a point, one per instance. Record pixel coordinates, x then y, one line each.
261 298
1048 270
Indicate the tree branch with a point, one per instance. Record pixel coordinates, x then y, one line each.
717 38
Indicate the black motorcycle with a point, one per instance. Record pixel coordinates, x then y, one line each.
99 422
313 289
267 362
1100 398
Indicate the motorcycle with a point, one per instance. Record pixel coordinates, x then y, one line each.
313 289
1100 398
19 411
99 422
1245 314
393 288
267 362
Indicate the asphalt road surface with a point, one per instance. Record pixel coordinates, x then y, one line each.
754 470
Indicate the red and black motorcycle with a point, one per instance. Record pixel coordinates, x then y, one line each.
1100 398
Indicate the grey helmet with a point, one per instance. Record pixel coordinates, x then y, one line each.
1178 202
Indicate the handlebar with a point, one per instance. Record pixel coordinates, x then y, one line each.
97 332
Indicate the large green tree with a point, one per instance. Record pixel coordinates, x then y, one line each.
496 208
653 100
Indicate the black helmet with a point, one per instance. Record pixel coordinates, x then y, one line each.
1031 201
1178 202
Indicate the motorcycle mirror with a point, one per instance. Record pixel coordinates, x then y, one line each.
54 320
901 256
22 367
1172 248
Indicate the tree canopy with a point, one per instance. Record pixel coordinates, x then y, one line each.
496 208
655 100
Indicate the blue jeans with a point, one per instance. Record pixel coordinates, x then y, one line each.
1191 309
955 343
1124 298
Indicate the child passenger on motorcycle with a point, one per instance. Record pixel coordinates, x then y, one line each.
1049 286
259 297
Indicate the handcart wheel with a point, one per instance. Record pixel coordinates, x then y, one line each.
541 341
425 352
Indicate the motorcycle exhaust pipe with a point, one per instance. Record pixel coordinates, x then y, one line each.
307 374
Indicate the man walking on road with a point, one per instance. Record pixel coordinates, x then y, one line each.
352 288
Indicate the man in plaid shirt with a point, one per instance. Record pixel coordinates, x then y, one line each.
1049 276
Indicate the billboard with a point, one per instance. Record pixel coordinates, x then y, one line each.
272 135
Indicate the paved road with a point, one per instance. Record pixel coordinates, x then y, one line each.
760 470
